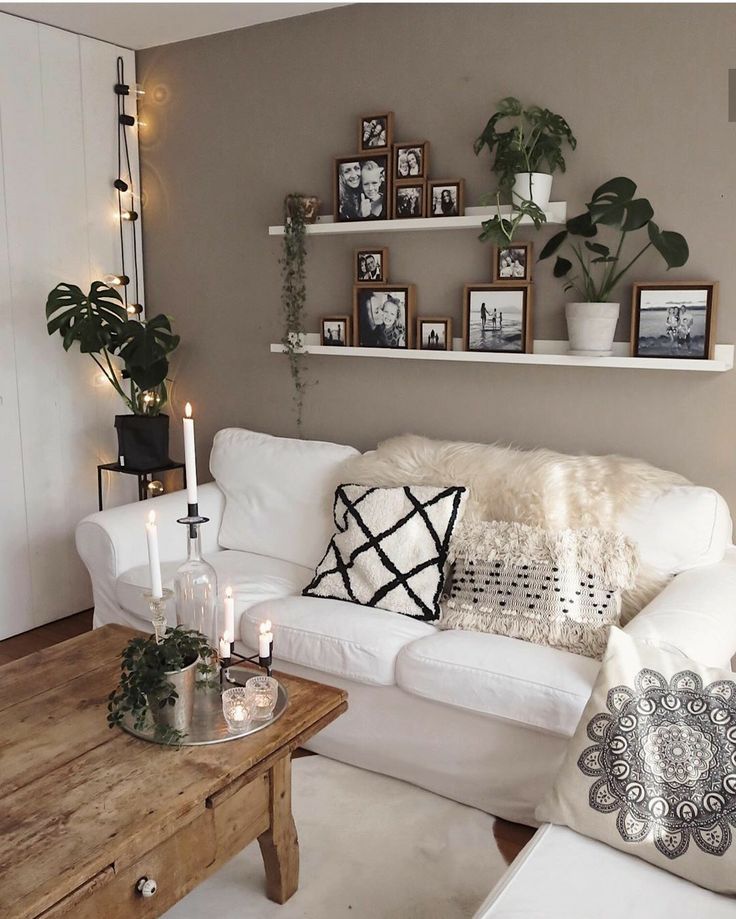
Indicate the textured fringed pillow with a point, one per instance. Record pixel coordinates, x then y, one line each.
390 548
561 589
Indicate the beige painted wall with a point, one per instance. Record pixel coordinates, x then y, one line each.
237 120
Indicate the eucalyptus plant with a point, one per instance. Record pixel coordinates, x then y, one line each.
599 267
143 680
294 294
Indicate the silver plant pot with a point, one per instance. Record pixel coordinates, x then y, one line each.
179 715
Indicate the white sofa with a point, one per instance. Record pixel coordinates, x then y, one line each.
480 718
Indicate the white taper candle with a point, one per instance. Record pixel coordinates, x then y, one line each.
190 455
154 562
228 630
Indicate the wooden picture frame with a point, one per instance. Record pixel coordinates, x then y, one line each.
437 206
674 320
409 199
368 125
444 342
508 261
335 331
402 166
349 197
401 301
367 275
498 318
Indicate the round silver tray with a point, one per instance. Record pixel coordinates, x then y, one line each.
208 723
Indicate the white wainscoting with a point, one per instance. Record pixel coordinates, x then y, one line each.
58 159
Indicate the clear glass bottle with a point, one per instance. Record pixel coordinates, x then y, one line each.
195 586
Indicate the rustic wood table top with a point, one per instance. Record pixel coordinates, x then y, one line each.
79 801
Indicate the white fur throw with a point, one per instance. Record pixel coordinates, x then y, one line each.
561 588
539 487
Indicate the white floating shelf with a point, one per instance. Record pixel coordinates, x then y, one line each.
474 216
545 352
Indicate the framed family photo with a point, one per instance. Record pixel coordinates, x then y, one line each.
411 161
446 198
361 186
434 333
674 320
335 331
371 266
512 264
383 316
376 133
409 199
497 318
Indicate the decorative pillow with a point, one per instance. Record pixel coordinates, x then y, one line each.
651 769
390 547
561 589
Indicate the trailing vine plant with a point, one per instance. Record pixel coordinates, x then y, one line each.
294 295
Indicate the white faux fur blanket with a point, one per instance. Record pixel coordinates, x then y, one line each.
539 487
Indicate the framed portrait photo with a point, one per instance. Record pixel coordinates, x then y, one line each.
335 331
497 317
434 333
371 266
512 264
674 320
376 133
446 198
383 316
411 161
410 198
361 187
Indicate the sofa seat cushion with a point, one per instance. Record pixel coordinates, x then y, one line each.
253 578
333 636
542 688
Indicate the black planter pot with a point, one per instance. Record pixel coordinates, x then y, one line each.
143 441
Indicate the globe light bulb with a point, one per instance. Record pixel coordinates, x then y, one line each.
155 488
116 280
129 215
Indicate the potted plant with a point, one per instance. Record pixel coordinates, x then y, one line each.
591 322
159 679
528 152
294 292
99 323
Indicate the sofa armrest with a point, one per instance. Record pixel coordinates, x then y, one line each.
695 613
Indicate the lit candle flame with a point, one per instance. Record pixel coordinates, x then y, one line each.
228 592
188 409
265 626
152 517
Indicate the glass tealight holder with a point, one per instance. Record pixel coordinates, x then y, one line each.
237 707
264 692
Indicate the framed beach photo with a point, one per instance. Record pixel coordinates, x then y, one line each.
410 198
497 317
411 161
334 331
512 264
446 198
383 316
371 266
434 333
376 133
674 320
361 187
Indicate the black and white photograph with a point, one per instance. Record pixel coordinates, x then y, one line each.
376 133
434 334
383 317
409 200
446 198
371 266
361 187
674 320
512 263
335 331
496 318
411 161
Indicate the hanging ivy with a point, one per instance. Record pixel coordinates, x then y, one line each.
294 295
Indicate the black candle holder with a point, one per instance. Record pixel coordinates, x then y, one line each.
193 519
226 662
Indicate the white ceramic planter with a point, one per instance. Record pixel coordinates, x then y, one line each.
532 186
591 327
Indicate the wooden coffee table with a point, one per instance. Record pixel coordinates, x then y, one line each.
89 814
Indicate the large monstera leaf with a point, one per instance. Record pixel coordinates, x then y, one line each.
94 320
145 349
614 204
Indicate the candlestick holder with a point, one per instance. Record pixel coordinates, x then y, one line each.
157 605
226 662
195 583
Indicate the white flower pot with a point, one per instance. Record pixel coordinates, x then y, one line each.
532 186
591 327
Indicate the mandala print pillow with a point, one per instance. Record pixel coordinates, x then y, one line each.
651 769
390 547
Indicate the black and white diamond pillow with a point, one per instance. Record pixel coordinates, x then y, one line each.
390 547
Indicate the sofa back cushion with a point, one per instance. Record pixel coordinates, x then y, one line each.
278 493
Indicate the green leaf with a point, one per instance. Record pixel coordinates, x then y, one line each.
144 347
598 248
582 225
91 320
562 267
553 244
671 246
614 191
510 106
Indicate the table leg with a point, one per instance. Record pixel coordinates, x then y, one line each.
280 844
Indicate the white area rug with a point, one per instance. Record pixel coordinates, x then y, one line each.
371 847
